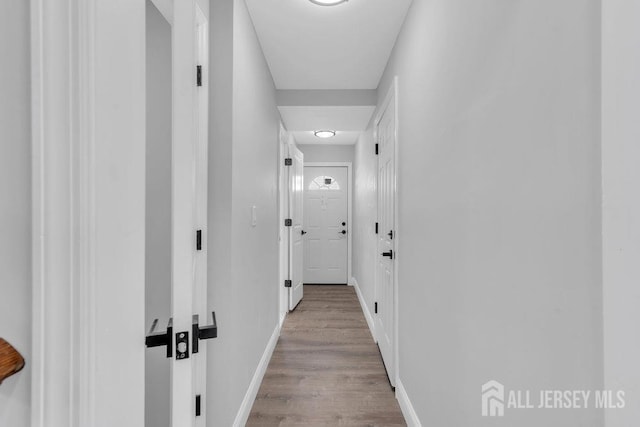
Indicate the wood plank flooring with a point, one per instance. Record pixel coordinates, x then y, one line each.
326 369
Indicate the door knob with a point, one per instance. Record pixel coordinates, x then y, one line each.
344 223
390 234
303 232
158 339
202 333
388 254
343 232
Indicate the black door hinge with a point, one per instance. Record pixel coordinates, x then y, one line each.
288 222
288 283
199 240
198 405
288 161
199 75
377 149
377 228
375 308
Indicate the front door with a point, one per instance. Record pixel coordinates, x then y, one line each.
385 290
326 224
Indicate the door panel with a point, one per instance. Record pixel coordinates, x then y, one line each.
326 209
385 286
296 214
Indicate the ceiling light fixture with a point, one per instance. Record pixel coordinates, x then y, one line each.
325 133
328 2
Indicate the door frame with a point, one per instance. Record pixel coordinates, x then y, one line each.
201 303
88 257
349 166
88 156
392 96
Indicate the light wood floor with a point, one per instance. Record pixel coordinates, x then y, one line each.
326 369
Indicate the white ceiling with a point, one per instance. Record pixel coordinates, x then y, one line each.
351 119
327 47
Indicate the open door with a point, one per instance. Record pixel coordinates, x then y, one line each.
296 252
177 210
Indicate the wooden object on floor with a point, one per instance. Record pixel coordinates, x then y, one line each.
11 361
326 369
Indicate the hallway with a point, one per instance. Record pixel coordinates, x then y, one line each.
326 368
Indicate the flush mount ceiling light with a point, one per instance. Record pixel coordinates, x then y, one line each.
328 2
324 133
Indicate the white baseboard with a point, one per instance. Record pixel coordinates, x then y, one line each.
365 308
409 413
283 317
256 381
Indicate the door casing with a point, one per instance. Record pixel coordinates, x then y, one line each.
88 213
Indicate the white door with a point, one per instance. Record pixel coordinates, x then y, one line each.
326 224
296 185
177 331
385 291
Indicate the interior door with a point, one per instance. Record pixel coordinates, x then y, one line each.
296 185
326 224
385 290
179 215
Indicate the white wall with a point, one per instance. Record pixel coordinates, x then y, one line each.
365 208
327 153
15 206
158 212
243 272
499 197
621 205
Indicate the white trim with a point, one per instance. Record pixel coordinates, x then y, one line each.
250 396
87 215
63 215
365 308
201 102
406 406
349 166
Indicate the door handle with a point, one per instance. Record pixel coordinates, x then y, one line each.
202 333
390 234
303 232
158 339
343 232
388 254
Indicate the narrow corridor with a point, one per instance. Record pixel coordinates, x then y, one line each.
326 369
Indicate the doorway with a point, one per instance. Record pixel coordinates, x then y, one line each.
387 234
327 223
176 213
